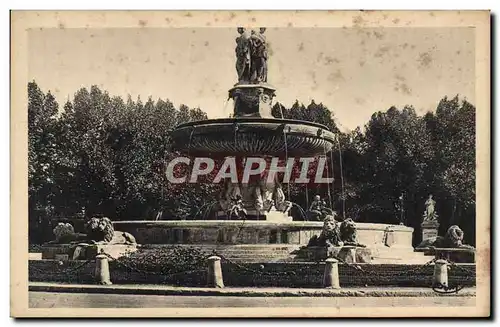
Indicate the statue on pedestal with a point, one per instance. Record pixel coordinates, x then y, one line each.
243 59
251 56
259 56
430 212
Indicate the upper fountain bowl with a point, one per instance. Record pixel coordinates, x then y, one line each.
248 136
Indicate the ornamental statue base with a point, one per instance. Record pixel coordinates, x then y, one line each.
429 229
252 100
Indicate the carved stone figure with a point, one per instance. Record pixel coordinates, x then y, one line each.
318 209
330 235
259 200
349 234
279 198
237 210
101 231
259 56
65 233
230 193
430 212
267 195
453 239
243 59
63 229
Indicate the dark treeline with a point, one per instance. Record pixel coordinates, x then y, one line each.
101 154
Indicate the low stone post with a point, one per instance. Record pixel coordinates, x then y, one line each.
102 275
214 278
331 275
440 277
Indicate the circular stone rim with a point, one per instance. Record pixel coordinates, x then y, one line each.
233 120
253 224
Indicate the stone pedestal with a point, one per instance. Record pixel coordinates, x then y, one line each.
429 229
252 100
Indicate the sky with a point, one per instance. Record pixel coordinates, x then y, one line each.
353 71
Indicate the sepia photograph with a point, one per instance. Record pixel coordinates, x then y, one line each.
250 164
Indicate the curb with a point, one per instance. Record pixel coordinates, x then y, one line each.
246 292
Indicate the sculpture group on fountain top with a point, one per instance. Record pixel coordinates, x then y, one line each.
251 56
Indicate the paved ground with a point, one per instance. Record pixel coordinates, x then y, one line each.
86 300
168 290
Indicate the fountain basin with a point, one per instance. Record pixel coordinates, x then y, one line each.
252 136
253 232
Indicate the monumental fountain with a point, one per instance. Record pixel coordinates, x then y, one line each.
266 232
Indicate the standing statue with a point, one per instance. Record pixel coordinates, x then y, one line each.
259 56
243 59
279 199
430 212
237 208
266 191
229 192
259 201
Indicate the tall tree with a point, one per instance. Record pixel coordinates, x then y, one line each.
42 111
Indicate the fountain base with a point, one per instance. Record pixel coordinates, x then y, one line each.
267 241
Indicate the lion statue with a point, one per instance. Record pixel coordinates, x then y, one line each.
349 234
453 239
62 230
330 235
98 231
101 231
65 233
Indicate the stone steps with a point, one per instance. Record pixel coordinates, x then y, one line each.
400 256
244 252
283 252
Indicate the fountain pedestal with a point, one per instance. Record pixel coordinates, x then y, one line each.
429 229
252 100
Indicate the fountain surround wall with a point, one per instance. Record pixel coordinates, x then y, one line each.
254 232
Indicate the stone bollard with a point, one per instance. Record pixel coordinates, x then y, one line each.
214 277
440 273
102 276
331 275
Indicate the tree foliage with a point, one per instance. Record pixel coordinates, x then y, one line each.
104 155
